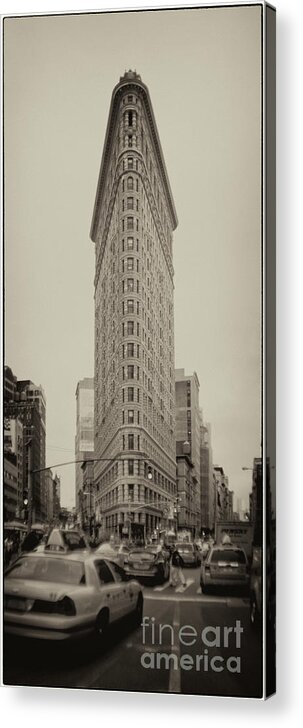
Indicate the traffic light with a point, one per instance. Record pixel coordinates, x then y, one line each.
150 472
25 504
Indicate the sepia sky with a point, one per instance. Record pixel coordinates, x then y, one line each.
202 68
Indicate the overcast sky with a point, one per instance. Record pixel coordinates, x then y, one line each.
202 68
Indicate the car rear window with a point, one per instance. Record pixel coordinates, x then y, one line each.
229 555
185 547
142 555
106 548
62 571
73 540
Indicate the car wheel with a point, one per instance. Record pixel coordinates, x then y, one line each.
101 626
138 610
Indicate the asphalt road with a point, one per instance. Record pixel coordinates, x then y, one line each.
204 659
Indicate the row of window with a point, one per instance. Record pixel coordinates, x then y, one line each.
130 204
130 306
130 244
128 264
128 417
128 328
130 350
130 119
131 224
130 372
130 184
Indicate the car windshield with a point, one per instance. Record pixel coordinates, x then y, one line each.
229 555
62 571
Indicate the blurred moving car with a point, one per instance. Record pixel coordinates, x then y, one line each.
60 596
116 552
62 540
189 552
32 539
150 563
224 566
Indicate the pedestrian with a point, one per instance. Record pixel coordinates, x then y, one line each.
176 566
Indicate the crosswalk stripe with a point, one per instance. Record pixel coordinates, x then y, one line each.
183 588
161 588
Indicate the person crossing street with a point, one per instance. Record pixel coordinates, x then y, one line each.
176 566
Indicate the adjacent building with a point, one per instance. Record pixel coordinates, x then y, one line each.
25 401
132 228
207 486
188 424
222 499
187 487
13 467
84 440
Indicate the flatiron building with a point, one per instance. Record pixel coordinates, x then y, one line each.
132 227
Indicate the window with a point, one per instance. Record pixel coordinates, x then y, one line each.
130 349
130 140
130 371
104 572
130 162
130 394
130 223
229 555
129 99
130 467
130 264
130 183
131 442
130 328
131 417
130 203
130 243
130 284
130 305
118 572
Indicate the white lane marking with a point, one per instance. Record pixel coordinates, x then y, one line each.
196 599
182 588
161 588
174 685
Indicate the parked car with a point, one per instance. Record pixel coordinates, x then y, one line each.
115 552
190 553
150 563
58 596
224 566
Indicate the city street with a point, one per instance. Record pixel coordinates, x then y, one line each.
118 665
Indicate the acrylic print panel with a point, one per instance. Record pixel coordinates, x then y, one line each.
133 322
